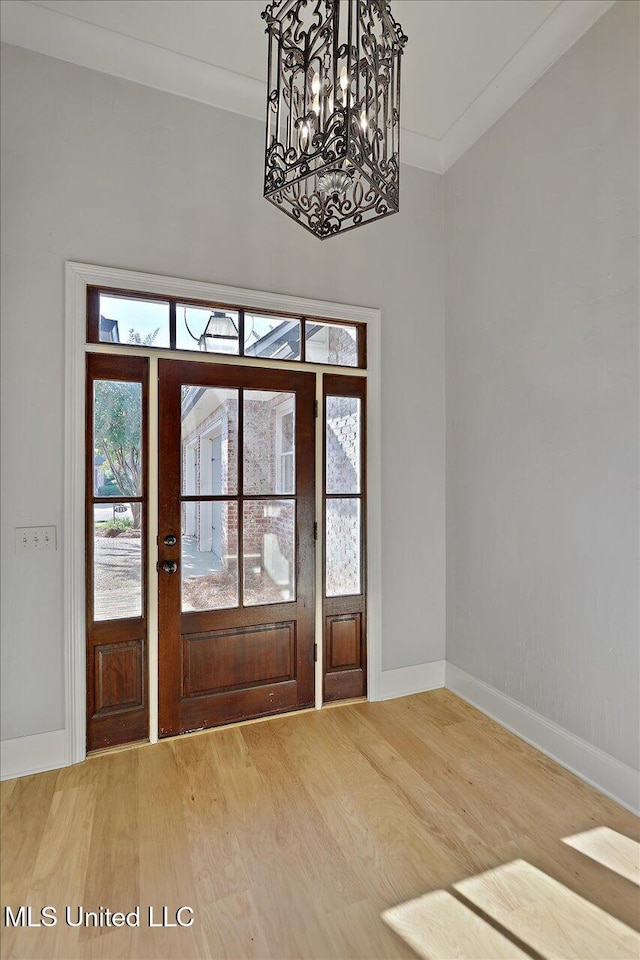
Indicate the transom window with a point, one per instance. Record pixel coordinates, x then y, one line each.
129 318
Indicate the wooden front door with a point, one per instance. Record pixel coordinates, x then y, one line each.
236 543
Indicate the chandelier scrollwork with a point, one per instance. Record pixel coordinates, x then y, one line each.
332 159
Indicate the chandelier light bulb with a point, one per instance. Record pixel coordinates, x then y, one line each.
316 105
344 83
364 123
315 83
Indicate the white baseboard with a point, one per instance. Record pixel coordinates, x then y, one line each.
25 755
597 768
407 680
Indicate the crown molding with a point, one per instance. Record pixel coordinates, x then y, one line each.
66 38
417 150
57 35
562 28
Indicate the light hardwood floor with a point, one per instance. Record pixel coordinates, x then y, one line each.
373 830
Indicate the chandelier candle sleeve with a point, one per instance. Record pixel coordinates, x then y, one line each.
332 159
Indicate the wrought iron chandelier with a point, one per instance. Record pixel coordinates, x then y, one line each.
333 112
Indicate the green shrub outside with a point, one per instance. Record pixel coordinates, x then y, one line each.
110 489
120 523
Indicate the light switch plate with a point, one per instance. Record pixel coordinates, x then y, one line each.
35 538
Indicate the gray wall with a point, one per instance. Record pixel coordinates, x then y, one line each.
106 171
542 394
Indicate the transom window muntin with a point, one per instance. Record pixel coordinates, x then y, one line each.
128 318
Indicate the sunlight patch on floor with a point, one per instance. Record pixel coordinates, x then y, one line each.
547 916
514 911
613 850
439 925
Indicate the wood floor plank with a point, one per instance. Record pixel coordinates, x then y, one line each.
414 827
511 773
114 850
232 928
214 850
452 831
361 934
461 794
61 866
166 878
324 864
26 804
6 789
365 815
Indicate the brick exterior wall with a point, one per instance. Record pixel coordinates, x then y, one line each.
341 348
342 439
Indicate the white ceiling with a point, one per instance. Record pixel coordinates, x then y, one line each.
467 61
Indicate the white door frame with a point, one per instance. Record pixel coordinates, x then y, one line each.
78 277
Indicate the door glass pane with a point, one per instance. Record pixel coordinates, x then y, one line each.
342 438
209 560
117 561
207 329
275 337
117 438
209 441
331 343
268 551
342 523
269 442
143 323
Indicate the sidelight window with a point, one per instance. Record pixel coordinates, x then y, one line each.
116 533
344 537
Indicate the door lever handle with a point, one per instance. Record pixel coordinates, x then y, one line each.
169 566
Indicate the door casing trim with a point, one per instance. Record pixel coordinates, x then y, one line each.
78 276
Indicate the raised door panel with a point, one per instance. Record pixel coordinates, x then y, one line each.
222 661
344 640
118 676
